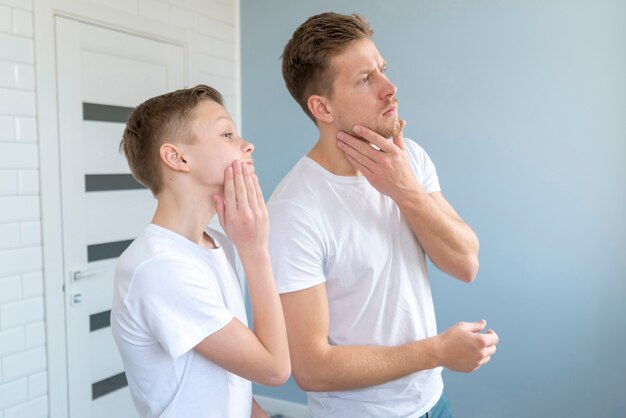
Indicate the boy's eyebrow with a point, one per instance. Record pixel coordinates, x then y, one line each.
224 117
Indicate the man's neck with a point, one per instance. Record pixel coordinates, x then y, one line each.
328 155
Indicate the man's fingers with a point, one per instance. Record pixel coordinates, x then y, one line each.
475 326
491 337
372 137
490 351
363 169
348 141
398 139
356 155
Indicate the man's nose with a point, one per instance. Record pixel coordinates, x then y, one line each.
389 89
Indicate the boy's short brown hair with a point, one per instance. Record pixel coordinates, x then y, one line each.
158 120
306 57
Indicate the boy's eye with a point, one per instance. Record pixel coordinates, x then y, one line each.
365 79
228 135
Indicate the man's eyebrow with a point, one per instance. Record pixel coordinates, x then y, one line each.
367 70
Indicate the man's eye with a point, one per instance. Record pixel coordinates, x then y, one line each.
365 79
228 135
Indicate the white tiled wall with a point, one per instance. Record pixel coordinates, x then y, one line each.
23 375
211 27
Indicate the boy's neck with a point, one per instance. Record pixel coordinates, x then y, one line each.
187 220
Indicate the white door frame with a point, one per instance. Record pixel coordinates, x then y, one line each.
44 12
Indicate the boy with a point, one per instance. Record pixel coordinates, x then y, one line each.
178 315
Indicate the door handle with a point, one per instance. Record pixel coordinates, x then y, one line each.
78 275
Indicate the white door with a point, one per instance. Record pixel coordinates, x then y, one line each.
102 75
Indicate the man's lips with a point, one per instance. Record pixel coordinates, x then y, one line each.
390 111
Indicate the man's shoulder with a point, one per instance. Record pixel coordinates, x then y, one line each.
413 147
295 188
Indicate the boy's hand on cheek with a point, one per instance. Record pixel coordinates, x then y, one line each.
241 211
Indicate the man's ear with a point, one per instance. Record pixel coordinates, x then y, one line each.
320 108
173 157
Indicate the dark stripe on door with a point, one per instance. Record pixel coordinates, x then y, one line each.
105 113
110 182
107 250
109 385
99 320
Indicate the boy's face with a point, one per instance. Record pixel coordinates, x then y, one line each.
216 144
362 94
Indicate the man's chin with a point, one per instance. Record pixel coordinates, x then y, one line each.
391 131
388 130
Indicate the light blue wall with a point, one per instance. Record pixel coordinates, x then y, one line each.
522 106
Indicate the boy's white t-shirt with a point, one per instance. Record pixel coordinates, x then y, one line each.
340 231
169 295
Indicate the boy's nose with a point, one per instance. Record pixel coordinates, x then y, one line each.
247 146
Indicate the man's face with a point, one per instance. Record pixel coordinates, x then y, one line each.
362 94
216 144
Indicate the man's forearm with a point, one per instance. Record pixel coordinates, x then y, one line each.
335 368
449 242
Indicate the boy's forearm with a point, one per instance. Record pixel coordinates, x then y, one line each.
267 313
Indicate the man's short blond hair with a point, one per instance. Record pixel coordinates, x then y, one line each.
307 56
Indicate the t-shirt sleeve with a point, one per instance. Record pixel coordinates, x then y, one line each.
296 248
423 167
179 303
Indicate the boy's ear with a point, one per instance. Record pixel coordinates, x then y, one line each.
173 157
320 108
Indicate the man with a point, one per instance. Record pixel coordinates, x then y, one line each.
350 227
178 315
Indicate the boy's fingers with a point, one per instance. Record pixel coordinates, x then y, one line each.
250 188
240 186
229 189
259 192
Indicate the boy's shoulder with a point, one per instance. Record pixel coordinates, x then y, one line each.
222 241
155 246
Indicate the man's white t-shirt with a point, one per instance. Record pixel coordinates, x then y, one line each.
169 295
339 230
